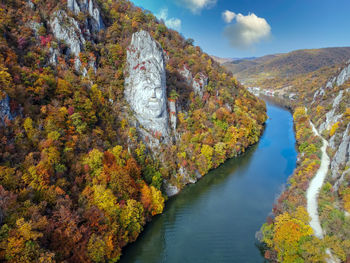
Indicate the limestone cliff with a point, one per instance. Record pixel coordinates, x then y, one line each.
198 82
145 84
88 6
66 29
335 96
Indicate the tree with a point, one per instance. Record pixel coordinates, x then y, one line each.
288 232
131 218
96 248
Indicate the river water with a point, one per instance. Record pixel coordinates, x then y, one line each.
215 220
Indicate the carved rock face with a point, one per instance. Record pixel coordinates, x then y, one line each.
145 83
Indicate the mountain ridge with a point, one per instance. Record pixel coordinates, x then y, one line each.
289 64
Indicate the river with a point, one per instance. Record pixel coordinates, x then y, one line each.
215 220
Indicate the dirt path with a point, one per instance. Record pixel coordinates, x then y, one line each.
314 188
313 191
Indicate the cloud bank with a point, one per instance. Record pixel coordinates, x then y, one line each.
247 31
228 16
173 23
196 6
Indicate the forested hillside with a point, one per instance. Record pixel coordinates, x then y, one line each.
282 70
78 177
288 235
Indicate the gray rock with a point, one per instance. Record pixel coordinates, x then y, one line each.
5 111
331 118
96 15
89 7
145 83
35 26
186 178
342 154
187 75
30 4
341 180
92 64
173 114
73 6
79 67
343 76
54 53
170 189
198 175
198 83
66 29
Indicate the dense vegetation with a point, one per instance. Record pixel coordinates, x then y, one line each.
76 182
290 69
288 236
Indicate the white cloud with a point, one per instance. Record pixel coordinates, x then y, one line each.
247 31
228 16
173 23
196 6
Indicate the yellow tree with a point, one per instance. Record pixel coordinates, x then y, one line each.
288 233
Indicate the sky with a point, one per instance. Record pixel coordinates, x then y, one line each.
252 28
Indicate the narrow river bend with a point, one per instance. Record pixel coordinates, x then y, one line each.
215 220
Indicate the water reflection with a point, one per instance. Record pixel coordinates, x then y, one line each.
216 219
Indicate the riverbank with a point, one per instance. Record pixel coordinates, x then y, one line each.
289 235
215 220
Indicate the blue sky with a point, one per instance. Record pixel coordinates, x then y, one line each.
256 27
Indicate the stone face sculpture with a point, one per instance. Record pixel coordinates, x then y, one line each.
145 83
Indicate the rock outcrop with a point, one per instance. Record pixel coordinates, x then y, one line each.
5 110
198 83
339 80
331 117
88 6
66 29
340 141
170 189
344 75
342 154
173 114
145 83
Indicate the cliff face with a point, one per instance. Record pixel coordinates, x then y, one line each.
335 97
198 83
67 30
94 22
145 84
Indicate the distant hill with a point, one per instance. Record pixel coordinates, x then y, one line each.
222 60
230 60
287 64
